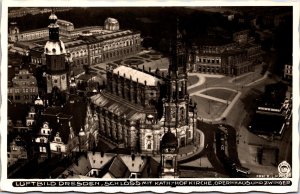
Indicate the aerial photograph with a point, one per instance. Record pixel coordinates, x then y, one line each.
149 92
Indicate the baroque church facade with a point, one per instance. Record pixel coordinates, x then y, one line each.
137 108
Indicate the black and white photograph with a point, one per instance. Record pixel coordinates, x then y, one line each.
156 97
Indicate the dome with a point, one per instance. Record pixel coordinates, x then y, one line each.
52 18
38 101
111 20
81 132
55 48
111 24
169 140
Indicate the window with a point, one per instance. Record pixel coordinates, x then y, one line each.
169 164
189 134
42 149
149 146
57 139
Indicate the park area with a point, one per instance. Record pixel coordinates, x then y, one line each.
149 60
221 94
209 109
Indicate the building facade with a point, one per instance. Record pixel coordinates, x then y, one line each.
288 72
92 46
24 88
16 152
228 57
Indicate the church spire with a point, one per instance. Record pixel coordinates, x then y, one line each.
53 27
177 53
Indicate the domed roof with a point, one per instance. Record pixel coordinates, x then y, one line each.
81 132
111 20
38 101
52 18
55 48
169 140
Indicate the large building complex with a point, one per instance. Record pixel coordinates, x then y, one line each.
138 107
87 45
223 56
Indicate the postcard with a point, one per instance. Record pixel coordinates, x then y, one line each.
154 96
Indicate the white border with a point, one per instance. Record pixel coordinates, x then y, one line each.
6 184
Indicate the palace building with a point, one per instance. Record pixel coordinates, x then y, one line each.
90 45
231 57
137 108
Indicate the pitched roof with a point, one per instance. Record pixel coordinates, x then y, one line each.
81 167
118 107
98 160
64 131
118 169
134 164
21 109
142 77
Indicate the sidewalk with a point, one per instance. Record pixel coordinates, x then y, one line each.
228 108
191 150
256 81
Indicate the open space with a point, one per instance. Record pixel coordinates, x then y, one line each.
221 93
192 80
210 109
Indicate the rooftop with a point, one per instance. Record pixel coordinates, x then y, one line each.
136 75
118 106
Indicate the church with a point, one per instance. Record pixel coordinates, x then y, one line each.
138 107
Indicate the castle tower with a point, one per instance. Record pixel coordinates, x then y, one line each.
176 103
169 151
55 53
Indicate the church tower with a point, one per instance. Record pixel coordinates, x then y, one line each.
56 61
176 103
